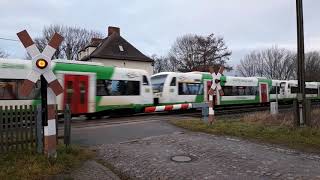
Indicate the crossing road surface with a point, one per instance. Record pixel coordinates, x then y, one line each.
115 130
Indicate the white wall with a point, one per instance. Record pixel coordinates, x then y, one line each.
126 64
86 52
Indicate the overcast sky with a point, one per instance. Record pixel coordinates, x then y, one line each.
153 25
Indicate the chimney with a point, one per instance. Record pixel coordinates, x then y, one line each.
112 29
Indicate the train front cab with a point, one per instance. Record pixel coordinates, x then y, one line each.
177 88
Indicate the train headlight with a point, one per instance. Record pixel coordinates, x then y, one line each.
41 63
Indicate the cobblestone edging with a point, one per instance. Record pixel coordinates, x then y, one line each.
213 157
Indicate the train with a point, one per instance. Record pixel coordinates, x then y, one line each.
92 89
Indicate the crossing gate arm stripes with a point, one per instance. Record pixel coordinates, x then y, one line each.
168 107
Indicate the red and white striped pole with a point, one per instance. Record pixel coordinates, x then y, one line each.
168 108
50 137
214 90
41 67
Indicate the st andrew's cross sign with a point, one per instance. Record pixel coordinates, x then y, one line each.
41 63
214 90
41 68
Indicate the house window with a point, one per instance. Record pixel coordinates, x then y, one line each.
121 48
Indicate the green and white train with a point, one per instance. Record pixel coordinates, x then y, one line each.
93 89
172 88
88 87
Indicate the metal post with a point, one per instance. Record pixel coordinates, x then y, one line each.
39 129
205 113
44 100
277 93
67 125
301 68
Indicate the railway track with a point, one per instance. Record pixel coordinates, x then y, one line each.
162 116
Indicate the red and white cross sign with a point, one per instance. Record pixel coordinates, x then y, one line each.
214 89
41 63
216 75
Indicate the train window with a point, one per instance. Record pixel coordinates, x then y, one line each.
239 90
158 82
69 92
118 88
311 91
173 81
275 90
294 90
9 90
82 92
190 89
145 81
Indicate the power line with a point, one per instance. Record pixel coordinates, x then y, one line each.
7 39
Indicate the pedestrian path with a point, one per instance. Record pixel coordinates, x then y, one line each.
92 170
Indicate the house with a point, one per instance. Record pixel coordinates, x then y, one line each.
114 50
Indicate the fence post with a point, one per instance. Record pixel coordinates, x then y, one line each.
67 125
205 114
39 129
274 108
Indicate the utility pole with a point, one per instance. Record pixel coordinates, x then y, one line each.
301 96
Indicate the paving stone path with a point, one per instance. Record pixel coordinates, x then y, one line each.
213 157
91 170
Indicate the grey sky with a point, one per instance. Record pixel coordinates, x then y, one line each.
153 25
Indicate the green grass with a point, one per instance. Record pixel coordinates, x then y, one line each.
306 139
30 165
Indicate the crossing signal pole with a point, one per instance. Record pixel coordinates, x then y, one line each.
41 68
301 96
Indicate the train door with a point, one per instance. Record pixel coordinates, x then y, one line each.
146 90
76 93
264 93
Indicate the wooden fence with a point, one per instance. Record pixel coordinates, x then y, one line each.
17 128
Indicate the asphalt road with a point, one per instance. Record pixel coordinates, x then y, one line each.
122 129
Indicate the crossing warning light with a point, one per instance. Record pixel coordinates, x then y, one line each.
41 63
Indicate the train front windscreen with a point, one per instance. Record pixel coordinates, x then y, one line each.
158 82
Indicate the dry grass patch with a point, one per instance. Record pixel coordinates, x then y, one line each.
286 119
30 165
261 127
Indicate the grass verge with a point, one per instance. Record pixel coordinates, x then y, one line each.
30 165
305 139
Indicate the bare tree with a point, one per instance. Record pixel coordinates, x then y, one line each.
75 39
273 63
251 65
312 62
3 54
163 64
191 51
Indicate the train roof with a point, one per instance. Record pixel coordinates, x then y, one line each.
22 66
